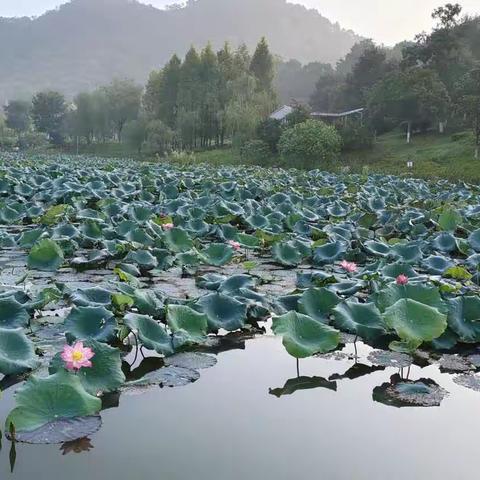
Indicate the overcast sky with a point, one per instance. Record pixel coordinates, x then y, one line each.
386 21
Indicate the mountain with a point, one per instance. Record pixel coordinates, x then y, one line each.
85 43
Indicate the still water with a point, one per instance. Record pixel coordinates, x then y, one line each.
227 426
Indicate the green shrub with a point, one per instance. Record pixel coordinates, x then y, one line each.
270 131
356 137
310 144
255 151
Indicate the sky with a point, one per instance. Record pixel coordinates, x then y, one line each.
386 21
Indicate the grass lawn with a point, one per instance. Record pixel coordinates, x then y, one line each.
433 155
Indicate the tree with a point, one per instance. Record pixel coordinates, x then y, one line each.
269 131
135 133
17 114
468 98
160 138
300 114
310 144
448 15
325 96
48 112
415 96
123 103
262 66
84 116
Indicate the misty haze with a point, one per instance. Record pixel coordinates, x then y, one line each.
239 239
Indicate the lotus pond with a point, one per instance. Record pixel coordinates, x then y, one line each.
241 322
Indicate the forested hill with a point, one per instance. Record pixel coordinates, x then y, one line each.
88 42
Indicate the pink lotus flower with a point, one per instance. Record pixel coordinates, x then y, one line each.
235 245
77 357
402 279
350 267
168 226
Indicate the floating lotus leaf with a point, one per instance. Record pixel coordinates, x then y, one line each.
44 401
105 375
12 313
188 326
217 254
148 303
178 240
362 319
167 377
17 353
474 240
46 255
450 220
152 335
223 312
436 264
445 242
287 254
92 297
303 336
96 323
464 318
192 360
329 253
143 258
318 303
378 248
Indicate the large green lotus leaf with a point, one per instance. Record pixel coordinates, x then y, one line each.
147 303
303 336
92 297
362 319
28 238
95 323
188 326
414 321
44 401
287 254
217 254
425 294
248 241
178 240
464 318
143 258
445 242
409 253
223 312
17 353
457 273
46 255
92 231
329 253
318 303
233 285
436 264
12 313
450 220
152 335
378 248
474 240
105 374
395 269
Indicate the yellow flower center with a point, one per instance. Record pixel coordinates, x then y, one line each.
77 356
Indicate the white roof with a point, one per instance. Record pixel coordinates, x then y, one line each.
335 115
281 113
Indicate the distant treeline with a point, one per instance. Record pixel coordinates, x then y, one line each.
206 99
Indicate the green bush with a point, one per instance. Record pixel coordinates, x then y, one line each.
356 137
310 144
255 151
270 131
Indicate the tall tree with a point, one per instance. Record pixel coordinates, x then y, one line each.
468 97
48 112
123 103
262 66
17 114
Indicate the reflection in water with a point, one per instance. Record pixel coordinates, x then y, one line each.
231 402
302 383
77 446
